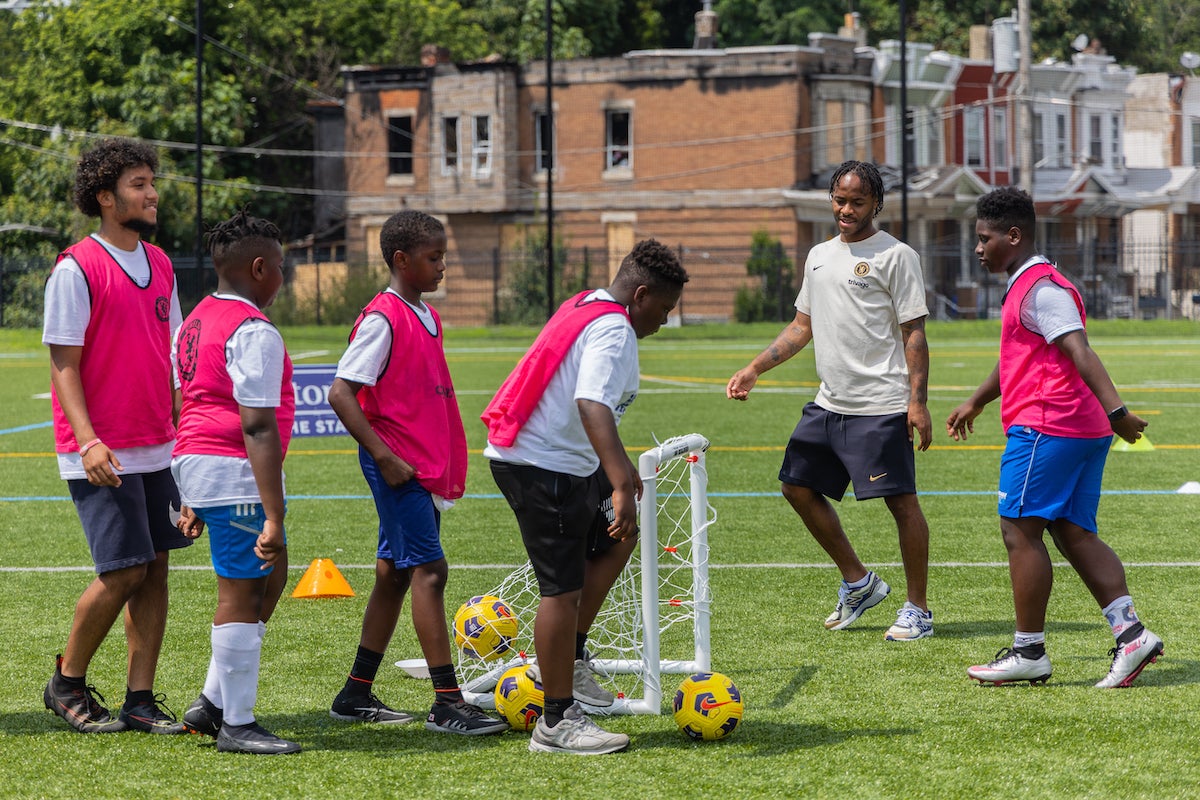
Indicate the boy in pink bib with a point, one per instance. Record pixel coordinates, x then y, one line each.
1059 409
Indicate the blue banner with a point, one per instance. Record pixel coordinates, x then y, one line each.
314 417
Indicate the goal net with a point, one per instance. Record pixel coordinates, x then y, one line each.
656 617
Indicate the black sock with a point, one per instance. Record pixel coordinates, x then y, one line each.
554 709
62 682
133 698
1130 633
1032 650
445 684
362 674
580 643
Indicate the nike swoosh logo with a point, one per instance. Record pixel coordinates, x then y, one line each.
874 478
817 267
709 705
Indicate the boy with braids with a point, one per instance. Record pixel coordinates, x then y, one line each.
556 455
234 428
393 393
1060 410
111 309
862 306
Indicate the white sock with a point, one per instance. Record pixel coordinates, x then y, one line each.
861 582
1028 639
237 650
212 681
1120 615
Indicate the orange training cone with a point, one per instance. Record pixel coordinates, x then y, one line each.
322 579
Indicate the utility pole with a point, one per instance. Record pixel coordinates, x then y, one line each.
906 132
550 170
199 246
1024 121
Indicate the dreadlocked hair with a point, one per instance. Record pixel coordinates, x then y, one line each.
227 240
100 168
653 264
868 173
407 230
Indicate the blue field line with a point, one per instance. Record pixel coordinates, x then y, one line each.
22 428
294 497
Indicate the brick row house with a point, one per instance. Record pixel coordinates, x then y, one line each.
702 147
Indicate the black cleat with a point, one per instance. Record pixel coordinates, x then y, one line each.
253 738
203 717
151 716
79 707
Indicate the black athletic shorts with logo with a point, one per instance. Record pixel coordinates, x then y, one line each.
828 451
562 519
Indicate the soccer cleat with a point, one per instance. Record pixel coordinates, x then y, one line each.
575 734
583 686
911 623
1012 665
853 602
79 707
1129 659
253 738
151 716
462 718
366 708
203 717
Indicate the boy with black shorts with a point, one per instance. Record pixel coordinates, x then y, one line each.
393 393
234 429
556 455
1060 410
111 310
862 306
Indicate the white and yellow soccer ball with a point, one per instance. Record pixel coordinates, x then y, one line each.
707 706
519 698
485 627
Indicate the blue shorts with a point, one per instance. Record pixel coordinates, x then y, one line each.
409 524
829 450
127 525
232 533
1052 477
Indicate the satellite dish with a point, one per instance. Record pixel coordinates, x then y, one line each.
1189 60
1080 42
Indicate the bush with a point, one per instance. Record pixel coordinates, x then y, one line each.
523 300
772 299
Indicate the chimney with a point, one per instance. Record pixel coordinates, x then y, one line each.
433 54
980 43
706 28
852 28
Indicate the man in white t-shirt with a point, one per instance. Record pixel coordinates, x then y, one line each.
862 306
557 457
111 310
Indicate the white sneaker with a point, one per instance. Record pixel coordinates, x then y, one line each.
853 602
911 623
1129 659
576 734
1010 665
583 686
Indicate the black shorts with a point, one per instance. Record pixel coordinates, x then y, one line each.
827 451
127 525
562 519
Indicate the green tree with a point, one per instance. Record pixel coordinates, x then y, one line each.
771 299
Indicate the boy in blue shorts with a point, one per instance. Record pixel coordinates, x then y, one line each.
1060 410
393 393
234 428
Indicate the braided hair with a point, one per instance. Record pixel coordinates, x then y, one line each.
229 242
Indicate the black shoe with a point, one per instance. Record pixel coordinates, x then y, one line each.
253 738
366 708
79 706
462 718
151 716
203 717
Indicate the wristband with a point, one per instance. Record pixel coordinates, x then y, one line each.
1117 414
84 450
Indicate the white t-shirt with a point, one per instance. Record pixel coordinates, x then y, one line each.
602 365
1048 310
857 294
68 310
366 356
254 356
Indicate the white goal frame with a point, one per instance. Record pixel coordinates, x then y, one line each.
650 666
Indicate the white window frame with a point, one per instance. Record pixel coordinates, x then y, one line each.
613 149
481 146
390 117
451 159
999 138
973 138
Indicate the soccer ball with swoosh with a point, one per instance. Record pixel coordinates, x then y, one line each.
485 627
707 706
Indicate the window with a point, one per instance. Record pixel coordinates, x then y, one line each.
927 129
1039 140
481 148
450 146
543 134
1062 157
617 127
973 137
1118 158
400 144
1195 142
1095 139
999 138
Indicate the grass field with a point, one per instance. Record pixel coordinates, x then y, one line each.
827 714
